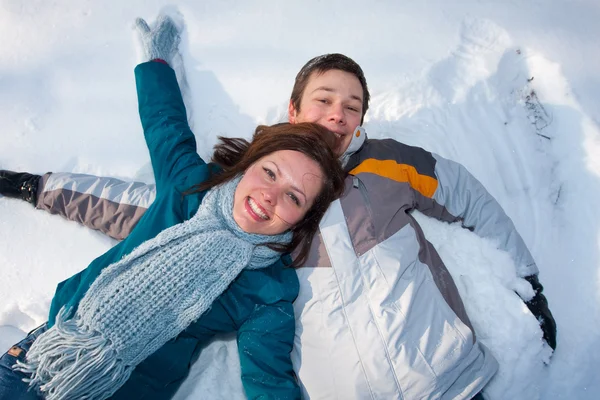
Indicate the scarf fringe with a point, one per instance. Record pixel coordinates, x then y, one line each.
71 361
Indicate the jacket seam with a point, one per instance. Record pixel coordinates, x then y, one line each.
353 336
385 347
323 323
386 342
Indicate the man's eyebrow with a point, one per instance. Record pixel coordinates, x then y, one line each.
293 186
328 89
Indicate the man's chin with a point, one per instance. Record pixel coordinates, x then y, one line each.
340 154
341 148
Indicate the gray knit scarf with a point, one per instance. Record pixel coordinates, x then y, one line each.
144 300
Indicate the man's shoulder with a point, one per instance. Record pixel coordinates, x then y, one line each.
391 150
390 147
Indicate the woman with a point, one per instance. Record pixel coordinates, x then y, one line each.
129 324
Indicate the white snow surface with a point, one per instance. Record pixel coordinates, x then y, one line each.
507 88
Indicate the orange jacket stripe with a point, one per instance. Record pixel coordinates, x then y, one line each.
390 169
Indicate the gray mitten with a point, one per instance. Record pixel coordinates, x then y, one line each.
162 41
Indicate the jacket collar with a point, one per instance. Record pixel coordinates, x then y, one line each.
358 139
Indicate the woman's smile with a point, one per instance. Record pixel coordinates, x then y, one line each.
255 210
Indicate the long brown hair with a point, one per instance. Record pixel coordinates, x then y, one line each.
236 155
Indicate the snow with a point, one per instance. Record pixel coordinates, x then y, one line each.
507 88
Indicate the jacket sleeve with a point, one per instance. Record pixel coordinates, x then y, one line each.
459 196
106 204
265 341
170 141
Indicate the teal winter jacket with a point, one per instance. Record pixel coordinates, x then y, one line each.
258 304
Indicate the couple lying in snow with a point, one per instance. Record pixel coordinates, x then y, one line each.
212 247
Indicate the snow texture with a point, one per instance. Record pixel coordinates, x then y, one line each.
507 88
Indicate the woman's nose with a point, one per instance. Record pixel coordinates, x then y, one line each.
270 196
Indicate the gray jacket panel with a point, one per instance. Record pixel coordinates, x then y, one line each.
106 204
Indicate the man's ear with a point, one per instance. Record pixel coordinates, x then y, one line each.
291 113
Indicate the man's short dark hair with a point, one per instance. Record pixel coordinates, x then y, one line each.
322 64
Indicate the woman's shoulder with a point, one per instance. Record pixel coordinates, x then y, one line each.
199 173
185 190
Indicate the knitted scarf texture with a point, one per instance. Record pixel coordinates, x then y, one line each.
144 300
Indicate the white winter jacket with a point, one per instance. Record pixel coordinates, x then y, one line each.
378 315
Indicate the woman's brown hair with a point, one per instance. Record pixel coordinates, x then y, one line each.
236 155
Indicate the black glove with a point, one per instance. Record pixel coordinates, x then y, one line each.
538 305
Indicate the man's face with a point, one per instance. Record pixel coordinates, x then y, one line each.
333 99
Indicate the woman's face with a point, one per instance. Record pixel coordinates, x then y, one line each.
276 192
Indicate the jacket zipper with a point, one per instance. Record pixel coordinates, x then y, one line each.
357 184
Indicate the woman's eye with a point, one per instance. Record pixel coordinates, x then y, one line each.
353 109
294 199
270 173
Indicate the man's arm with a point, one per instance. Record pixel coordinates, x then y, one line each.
108 205
464 197
459 196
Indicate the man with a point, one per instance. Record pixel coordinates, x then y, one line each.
379 316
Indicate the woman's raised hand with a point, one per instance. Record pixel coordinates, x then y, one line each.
161 41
